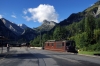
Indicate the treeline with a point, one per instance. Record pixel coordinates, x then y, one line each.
85 33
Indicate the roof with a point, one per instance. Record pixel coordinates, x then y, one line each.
51 40
57 40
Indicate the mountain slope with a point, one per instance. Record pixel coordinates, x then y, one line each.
4 31
13 27
28 34
76 17
23 26
22 32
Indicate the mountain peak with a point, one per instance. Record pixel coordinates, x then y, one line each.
45 22
23 26
46 26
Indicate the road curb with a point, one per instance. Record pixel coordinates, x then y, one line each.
84 55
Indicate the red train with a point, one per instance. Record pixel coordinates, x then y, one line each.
64 45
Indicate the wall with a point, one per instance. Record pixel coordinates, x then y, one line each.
57 46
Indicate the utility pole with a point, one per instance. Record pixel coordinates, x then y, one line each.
41 39
1 34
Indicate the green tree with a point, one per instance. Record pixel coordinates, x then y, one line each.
36 41
44 38
89 28
97 35
60 33
56 33
97 23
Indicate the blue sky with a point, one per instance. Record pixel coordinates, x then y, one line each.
33 12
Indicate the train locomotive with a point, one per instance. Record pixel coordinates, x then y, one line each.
60 45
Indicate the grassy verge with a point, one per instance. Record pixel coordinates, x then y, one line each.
89 52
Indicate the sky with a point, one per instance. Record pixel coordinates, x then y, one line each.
33 12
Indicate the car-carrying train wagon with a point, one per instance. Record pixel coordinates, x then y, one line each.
60 45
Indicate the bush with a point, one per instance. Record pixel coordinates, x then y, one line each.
95 47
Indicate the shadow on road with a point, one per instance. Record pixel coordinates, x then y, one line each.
2 55
97 54
26 56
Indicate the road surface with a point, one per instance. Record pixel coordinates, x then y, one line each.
35 57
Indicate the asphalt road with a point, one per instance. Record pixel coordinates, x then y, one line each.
35 57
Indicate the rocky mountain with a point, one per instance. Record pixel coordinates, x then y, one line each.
30 34
22 32
12 26
46 26
4 31
76 17
23 26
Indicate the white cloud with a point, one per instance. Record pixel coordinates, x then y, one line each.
25 11
14 16
42 12
27 18
0 16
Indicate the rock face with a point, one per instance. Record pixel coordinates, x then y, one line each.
12 26
46 26
4 31
23 26
98 11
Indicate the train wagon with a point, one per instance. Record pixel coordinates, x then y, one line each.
60 45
